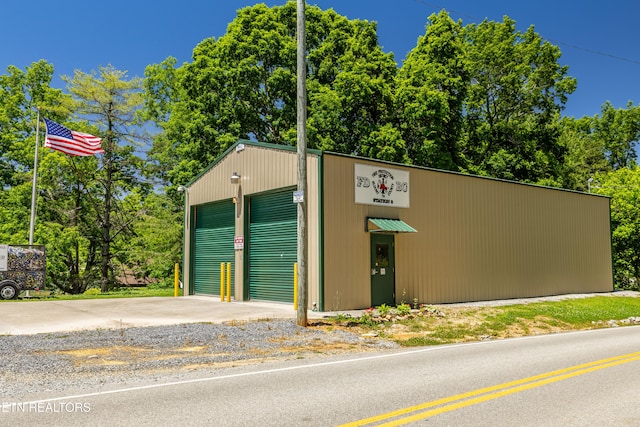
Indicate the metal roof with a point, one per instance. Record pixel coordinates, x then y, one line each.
382 225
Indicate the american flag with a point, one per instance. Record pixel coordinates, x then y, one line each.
71 142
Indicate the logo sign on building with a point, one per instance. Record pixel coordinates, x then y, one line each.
4 252
381 186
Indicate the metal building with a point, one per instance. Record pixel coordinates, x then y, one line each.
386 233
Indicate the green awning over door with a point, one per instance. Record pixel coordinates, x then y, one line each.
383 225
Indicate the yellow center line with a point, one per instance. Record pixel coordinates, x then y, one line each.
492 392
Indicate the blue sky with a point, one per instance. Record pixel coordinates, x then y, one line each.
598 40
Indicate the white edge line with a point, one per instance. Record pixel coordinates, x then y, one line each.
313 365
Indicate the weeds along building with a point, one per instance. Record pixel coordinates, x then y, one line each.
387 233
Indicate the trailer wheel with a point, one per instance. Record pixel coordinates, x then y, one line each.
8 291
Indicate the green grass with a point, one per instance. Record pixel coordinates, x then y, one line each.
576 312
474 323
116 293
124 293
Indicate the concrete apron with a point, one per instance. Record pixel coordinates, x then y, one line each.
34 317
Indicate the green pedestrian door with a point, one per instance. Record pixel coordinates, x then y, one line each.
213 244
383 284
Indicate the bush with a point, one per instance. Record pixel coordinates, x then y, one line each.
404 309
384 309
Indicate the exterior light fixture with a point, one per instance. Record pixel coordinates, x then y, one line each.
235 178
182 189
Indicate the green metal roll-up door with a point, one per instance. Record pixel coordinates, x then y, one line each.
214 232
273 246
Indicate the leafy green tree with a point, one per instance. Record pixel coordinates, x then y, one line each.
155 245
243 85
386 143
585 156
623 185
357 97
430 96
66 220
160 95
112 103
21 93
71 190
516 93
59 206
618 131
598 144
15 205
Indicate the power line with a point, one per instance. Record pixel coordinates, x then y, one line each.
557 42
595 52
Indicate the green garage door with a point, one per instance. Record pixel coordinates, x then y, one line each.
214 232
273 246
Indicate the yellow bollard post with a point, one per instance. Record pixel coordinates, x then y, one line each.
295 286
229 282
176 280
222 282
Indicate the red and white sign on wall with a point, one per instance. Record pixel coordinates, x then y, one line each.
381 186
238 242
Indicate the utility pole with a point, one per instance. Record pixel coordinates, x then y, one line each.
302 164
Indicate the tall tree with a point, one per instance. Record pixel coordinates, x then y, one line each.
21 93
432 86
160 91
623 185
351 105
242 85
62 223
618 130
585 154
155 245
598 144
517 90
111 102
66 220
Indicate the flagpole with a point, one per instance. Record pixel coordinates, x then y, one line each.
34 188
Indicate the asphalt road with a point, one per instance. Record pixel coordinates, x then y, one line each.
576 379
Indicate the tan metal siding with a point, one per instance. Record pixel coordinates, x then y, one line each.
261 169
478 239
346 244
494 240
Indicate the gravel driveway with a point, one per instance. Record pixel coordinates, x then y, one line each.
100 358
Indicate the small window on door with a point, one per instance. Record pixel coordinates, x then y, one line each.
382 255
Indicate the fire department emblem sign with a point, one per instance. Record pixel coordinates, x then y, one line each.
382 183
375 185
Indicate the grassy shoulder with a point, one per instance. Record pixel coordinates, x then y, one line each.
445 324
94 293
